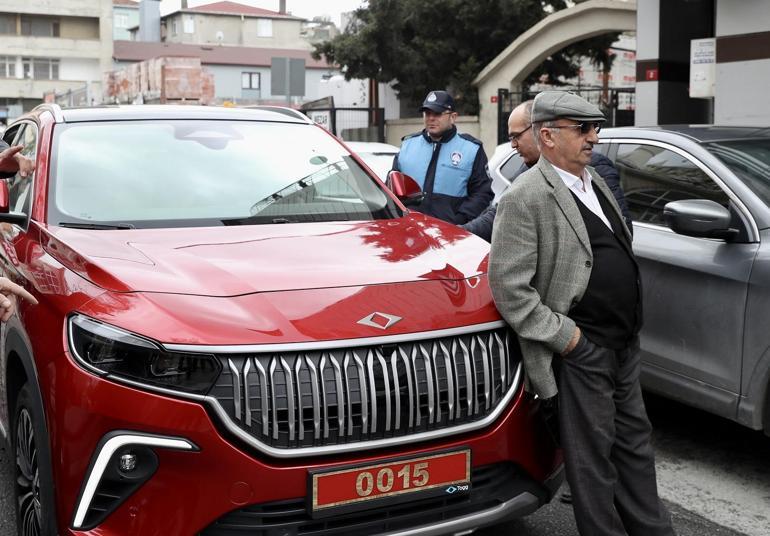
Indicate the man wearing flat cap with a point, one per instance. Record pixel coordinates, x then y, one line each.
449 166
564 276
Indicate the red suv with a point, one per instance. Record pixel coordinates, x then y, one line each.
241 331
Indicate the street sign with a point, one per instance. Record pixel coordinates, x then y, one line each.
287 77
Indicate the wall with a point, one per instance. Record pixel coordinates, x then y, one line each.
286 33
79 69
79 28
743 63
132 16
396 129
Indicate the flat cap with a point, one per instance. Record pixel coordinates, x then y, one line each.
551 105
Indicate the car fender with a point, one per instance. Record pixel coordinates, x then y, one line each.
754 403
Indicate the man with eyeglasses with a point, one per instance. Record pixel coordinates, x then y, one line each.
564 276
521 138
449 166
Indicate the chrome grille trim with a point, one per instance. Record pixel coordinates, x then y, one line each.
328 345
359 398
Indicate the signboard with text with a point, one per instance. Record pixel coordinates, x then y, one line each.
703 58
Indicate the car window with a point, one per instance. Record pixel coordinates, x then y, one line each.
652 176
20 188
187 173
749 159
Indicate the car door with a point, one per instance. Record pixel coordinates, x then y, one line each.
694 289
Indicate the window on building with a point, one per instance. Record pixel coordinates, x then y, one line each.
249 80
121 20
189 24
41 68
175 27
7 24
7 67
39 26
264 27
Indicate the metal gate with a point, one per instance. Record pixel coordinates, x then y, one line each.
618 106
351 124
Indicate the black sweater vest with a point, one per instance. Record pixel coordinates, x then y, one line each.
610 312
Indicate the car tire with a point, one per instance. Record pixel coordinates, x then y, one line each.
35 514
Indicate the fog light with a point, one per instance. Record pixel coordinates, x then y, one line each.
127 463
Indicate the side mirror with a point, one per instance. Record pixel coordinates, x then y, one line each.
5 205
406 188
699 217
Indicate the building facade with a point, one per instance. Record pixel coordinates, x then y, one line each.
125 15
233 24
51 46
733 91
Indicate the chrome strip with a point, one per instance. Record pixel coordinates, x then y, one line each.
437 383
336 344
289 397
416 399
487 377
450 381
345 364
263 398
372 444
470 377
386 379
396 388
429 385
236 388
300 422
503 360
246 401
273 397
362 394
340 396
458 405
316 400
372 390
322 373
109 448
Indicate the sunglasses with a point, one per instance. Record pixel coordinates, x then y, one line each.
585 128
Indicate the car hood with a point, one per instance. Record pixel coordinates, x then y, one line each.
233 261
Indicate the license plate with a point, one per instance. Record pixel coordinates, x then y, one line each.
334 491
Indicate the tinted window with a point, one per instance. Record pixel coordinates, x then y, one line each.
653 176
749 160
184 173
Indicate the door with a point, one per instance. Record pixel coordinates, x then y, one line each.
694 289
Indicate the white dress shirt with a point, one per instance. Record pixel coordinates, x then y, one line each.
583 189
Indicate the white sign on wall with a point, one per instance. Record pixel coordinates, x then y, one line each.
703 60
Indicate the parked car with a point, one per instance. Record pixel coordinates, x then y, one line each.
700 200
240 331
378 156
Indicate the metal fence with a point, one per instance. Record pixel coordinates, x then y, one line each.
351 124
618 105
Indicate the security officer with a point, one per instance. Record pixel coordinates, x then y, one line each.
450 167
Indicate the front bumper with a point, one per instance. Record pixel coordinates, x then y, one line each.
192 489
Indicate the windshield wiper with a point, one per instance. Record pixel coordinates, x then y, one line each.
96 226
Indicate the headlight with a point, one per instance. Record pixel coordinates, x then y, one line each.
107 350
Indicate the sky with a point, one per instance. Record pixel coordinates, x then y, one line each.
301 8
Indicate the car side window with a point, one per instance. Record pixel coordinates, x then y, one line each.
652 176
20 188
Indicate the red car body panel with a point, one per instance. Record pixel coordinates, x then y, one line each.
248 285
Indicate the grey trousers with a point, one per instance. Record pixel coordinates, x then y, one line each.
605 433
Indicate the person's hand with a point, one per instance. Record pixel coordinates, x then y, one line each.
8 293
573 342
26 165
8 160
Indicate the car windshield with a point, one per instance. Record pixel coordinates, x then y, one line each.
381 163
749 160
192 173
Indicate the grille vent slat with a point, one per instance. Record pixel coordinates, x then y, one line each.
348 395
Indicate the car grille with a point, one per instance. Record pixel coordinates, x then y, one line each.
292 400
491 485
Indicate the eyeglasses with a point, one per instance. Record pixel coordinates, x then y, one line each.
585 128
514 138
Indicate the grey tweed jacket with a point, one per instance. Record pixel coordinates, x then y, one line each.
540 264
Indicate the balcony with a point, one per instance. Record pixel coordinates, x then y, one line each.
72 8
55 47
34 89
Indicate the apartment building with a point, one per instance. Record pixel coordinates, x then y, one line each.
125 15
51 46
234 24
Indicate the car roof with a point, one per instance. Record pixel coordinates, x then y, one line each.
698 133
169 111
